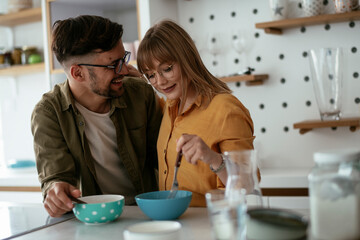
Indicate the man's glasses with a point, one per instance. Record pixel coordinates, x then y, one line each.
117 66
167 72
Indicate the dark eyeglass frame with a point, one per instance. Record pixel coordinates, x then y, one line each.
116 66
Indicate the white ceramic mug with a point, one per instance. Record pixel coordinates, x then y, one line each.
342 6
279 9
312 7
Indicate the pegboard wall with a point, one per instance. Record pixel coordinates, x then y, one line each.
287 96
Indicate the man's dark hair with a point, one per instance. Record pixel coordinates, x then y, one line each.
84 34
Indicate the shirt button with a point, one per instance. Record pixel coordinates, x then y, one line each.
81 123
164 171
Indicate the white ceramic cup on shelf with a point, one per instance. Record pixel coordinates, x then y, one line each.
342 6
279 9
312 7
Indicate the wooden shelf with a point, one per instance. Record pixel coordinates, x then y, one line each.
22 17
57 71
306 126
251 80
276 27
17 70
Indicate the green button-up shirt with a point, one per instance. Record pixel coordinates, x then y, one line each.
61 149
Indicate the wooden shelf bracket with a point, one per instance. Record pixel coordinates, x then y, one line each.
251 80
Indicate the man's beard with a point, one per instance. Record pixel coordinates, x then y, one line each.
108 93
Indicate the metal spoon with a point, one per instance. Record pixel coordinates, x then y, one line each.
76 200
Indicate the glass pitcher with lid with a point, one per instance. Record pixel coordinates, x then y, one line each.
334 188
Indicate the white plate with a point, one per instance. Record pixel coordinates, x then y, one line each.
153 230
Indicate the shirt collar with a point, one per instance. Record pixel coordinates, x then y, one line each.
198 101
67 99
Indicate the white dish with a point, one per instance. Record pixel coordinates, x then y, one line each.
153 230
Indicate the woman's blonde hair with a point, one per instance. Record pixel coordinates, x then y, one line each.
168 42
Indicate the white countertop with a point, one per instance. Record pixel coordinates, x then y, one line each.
270 178
195 225
284 178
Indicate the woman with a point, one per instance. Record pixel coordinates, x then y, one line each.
201 116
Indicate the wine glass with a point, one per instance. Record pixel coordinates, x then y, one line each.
239 44
215 46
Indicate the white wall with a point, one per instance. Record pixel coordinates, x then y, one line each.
277 147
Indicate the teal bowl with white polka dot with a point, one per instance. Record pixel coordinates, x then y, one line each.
99 208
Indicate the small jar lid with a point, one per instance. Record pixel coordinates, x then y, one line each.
335 156
29 48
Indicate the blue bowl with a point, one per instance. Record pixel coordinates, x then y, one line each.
156 206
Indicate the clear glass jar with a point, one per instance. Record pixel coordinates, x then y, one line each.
2 57
18 5
26 52
334 188
16 56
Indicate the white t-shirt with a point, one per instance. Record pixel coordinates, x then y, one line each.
110 171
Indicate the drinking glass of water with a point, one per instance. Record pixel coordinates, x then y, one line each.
227 216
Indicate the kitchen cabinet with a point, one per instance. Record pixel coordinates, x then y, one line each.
12 20
276 27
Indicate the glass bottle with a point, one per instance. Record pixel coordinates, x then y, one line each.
334 189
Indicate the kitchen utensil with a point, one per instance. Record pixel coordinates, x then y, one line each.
157 206
76 200
99 208
175 185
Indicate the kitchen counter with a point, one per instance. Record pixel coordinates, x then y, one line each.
195 225
284 178
20 218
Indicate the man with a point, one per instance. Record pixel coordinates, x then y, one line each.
95 133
